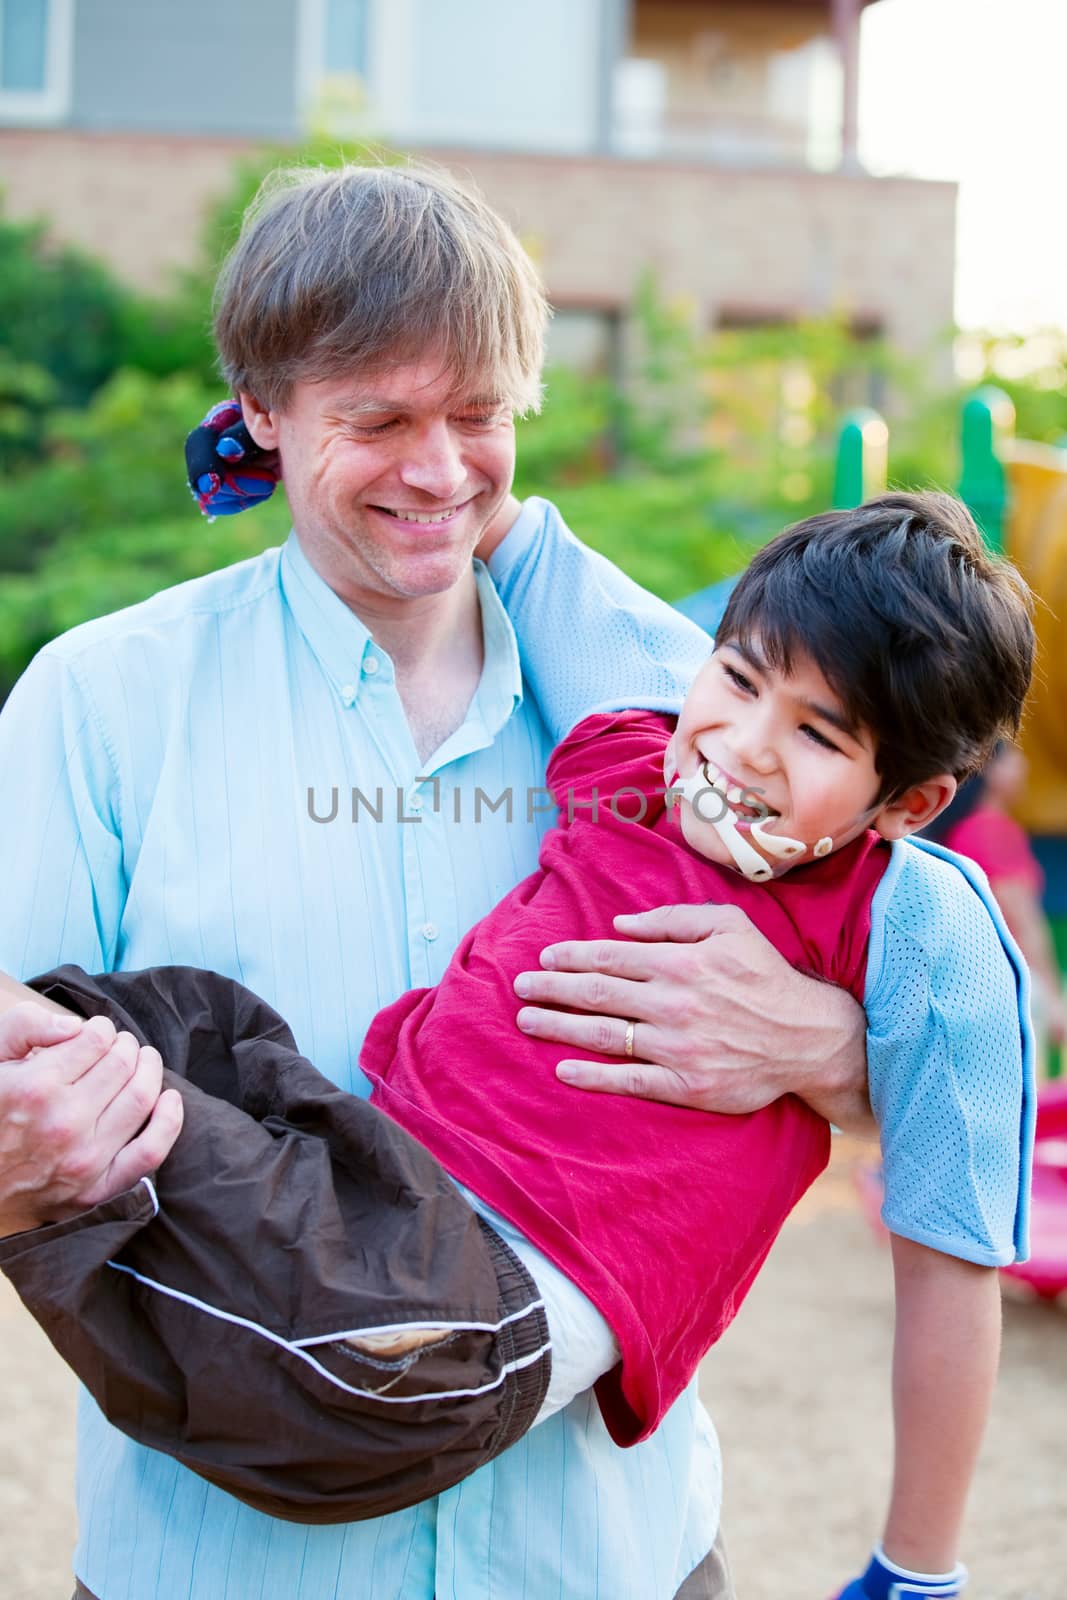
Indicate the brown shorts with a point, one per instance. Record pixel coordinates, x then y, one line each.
226 1323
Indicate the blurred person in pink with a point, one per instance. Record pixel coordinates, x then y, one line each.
978 824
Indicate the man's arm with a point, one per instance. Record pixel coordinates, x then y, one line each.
590 639
66 1114
725 1023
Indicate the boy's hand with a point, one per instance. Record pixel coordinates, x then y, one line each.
81 1115
884 1580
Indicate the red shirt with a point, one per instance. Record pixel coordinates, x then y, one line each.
661 1215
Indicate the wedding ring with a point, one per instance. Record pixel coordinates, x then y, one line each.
628 1043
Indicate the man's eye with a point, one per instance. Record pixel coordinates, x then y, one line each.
480 419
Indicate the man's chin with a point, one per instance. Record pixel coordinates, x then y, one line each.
432 574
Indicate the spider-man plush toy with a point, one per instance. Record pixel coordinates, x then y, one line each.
228 472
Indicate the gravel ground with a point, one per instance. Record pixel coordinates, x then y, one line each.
798 1388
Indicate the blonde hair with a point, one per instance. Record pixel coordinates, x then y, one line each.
359 268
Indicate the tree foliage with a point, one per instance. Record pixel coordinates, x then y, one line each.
713 443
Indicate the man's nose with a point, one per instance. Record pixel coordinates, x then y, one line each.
435 465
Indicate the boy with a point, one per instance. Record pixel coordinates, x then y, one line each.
866 661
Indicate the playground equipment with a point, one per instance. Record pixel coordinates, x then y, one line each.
1046 1271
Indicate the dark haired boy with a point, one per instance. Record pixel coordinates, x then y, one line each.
866 662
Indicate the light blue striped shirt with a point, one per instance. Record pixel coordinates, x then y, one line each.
163 769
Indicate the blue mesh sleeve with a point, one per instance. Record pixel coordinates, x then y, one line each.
950 1058
590 639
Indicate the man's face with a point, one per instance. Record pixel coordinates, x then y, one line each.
391 478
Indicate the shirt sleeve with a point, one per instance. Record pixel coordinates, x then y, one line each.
614 761
590 639
950 1060
60 851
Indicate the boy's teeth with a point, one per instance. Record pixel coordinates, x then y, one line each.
734 793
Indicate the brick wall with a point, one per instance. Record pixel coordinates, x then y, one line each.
136 201
728 241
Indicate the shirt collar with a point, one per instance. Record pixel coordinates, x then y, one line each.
335 635
343 645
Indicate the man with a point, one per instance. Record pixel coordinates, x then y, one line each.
274 772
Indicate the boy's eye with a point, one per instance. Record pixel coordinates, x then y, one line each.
738 678
817 737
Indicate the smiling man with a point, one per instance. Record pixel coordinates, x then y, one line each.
383 328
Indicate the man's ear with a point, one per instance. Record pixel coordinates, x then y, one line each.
261 423
915 807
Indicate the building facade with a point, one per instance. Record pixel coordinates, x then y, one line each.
712 142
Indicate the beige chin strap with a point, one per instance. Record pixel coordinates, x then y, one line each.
779 846
783 848
748 861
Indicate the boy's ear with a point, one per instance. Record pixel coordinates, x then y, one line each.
261 423
915 807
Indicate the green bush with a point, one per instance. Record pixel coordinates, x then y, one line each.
60 311
669 533
87 573
118 459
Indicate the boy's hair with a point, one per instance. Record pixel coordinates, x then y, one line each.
924 636
359 268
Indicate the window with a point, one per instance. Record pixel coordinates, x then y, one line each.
35 58
345 42
333 65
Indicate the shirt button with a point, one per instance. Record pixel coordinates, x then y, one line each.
415 803
348 694
370 666
429 931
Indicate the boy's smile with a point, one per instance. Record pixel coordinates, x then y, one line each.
774 744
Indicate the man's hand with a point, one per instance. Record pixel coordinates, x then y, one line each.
722 1021
81 1115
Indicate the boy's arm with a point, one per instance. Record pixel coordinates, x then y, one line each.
945 1355
951 1082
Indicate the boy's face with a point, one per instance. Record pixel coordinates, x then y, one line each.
786 741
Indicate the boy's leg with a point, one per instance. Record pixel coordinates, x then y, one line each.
293 1221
